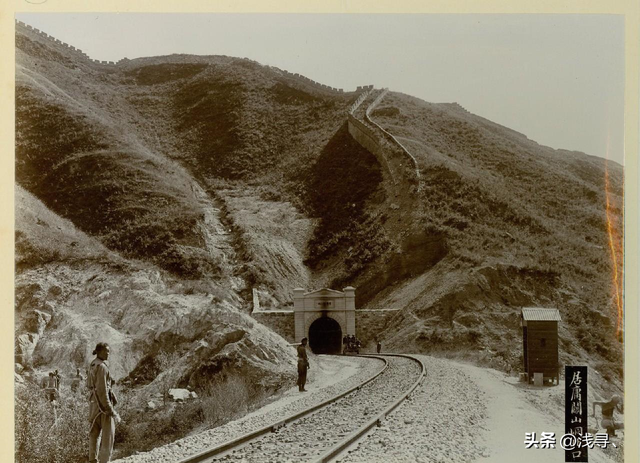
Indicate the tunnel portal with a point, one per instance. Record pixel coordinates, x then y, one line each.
324 316
325 336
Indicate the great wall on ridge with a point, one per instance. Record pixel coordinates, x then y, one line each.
22 27
399 166
33 32
396 160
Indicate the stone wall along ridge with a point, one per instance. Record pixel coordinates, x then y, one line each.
393 158
392 138
366 91
26 29
369 140
302 79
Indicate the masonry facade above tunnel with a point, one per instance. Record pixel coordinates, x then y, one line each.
310 306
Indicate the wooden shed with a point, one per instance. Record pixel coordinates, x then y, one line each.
540 342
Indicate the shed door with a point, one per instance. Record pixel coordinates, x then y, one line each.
524 349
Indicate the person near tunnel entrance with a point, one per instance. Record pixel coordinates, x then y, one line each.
303 365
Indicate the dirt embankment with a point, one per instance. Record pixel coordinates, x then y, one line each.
72 293
272 238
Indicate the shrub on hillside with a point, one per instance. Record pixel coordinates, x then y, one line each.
161 242
29 254
220 402
44 434
46 134
188 266
165 72
474 336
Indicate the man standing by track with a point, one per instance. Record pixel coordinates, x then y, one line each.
303 365
102 415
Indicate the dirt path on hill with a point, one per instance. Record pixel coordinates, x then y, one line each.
217 237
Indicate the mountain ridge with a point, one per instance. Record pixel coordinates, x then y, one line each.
202 179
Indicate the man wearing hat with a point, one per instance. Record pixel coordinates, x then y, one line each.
102 415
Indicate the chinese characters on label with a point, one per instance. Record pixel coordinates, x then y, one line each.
575 422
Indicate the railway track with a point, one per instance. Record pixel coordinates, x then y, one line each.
323 432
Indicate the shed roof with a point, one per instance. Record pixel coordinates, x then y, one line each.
538 314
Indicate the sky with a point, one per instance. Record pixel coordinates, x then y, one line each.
558 79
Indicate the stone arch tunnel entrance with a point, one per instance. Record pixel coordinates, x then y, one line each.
324 316
325 336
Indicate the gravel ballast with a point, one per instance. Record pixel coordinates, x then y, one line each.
439 422
289 404
315 434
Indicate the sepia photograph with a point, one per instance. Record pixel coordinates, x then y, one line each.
291 237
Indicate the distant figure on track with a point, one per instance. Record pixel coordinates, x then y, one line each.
379 347
607 414
102 415
303 365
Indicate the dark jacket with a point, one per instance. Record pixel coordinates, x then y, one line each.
303 360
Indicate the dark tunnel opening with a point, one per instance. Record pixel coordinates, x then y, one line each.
325 336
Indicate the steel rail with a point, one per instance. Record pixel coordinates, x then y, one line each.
352 438
253 435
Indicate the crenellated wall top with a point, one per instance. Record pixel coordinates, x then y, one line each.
26 28
58 43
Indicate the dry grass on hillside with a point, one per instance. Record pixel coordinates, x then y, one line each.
222 402
43 237
504 202
135 202
507 200
45 435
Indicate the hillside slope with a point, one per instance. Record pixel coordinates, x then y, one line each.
71 292
217 175
525 225
118 242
